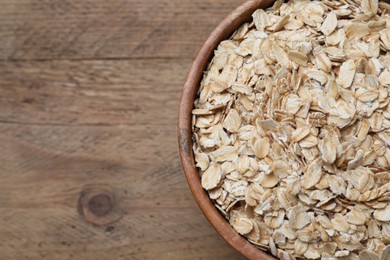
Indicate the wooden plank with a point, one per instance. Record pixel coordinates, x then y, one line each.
69 129
73 29
88 98
40 190
91 92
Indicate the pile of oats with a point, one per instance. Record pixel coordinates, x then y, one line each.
292 129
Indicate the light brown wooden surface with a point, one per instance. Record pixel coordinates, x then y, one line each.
89 167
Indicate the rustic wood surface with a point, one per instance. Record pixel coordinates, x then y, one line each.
89 92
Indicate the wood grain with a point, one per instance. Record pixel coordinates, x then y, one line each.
89 92
90 29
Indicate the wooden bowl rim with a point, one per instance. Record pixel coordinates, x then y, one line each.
223 31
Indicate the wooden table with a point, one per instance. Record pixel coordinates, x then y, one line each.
89 167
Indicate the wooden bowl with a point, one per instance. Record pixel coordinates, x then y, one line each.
224 30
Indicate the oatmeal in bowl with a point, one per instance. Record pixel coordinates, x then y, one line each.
291 129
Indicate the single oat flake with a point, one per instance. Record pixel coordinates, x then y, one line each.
291 129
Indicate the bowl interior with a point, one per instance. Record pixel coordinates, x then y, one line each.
225 29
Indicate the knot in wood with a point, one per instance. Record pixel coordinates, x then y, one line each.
99 206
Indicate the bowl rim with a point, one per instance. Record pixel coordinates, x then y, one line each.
222 32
